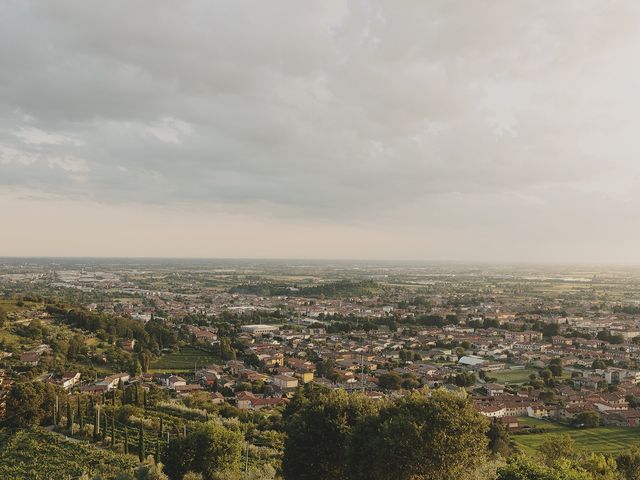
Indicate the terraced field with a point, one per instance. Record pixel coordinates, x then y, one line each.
40 455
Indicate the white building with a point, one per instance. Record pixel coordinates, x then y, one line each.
259 329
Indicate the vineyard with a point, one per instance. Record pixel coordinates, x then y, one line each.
37 454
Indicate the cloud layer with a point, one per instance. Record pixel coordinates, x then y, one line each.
495 119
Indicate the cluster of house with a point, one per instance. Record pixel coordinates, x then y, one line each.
33 356
611 407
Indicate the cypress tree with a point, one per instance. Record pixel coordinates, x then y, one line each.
156 456
104 430
161 426
113 429
69 417
96 424
141 443
126 440
60 415
55 412
113 398
80 417
144 398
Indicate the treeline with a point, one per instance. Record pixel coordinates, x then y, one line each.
341 289
153 336
425 436
438 437
628 309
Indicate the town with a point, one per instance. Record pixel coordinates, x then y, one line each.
536 350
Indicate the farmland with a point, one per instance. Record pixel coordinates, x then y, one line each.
513 376
184 360
611 440
40 455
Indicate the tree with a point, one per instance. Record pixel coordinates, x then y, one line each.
151 472
141 443
69 417
226 351
546 376
628 464
319 434
499 441
522 468
550 329
192 476
555 366
437 437
556 448
96 424
113 429
80 416
587 419
126 440
390 381
156 454
599 466
31 403
104 430
209 449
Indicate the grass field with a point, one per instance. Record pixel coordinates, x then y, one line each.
611 440
183 361
513 376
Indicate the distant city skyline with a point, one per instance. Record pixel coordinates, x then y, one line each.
439 131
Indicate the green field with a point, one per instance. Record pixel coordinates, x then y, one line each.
513 376
611 440
184 360
518 375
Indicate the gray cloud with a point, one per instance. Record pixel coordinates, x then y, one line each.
421 112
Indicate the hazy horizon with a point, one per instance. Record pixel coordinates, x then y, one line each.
339 130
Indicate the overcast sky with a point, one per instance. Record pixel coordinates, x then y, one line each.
440 130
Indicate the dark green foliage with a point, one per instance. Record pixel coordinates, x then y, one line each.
80 415
343 288
390 381
587 420
350 437
209 449
141 443
437 437
104 429
555 366
96 425
629 464
113 430
499 441
69 417
32 403
320 433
